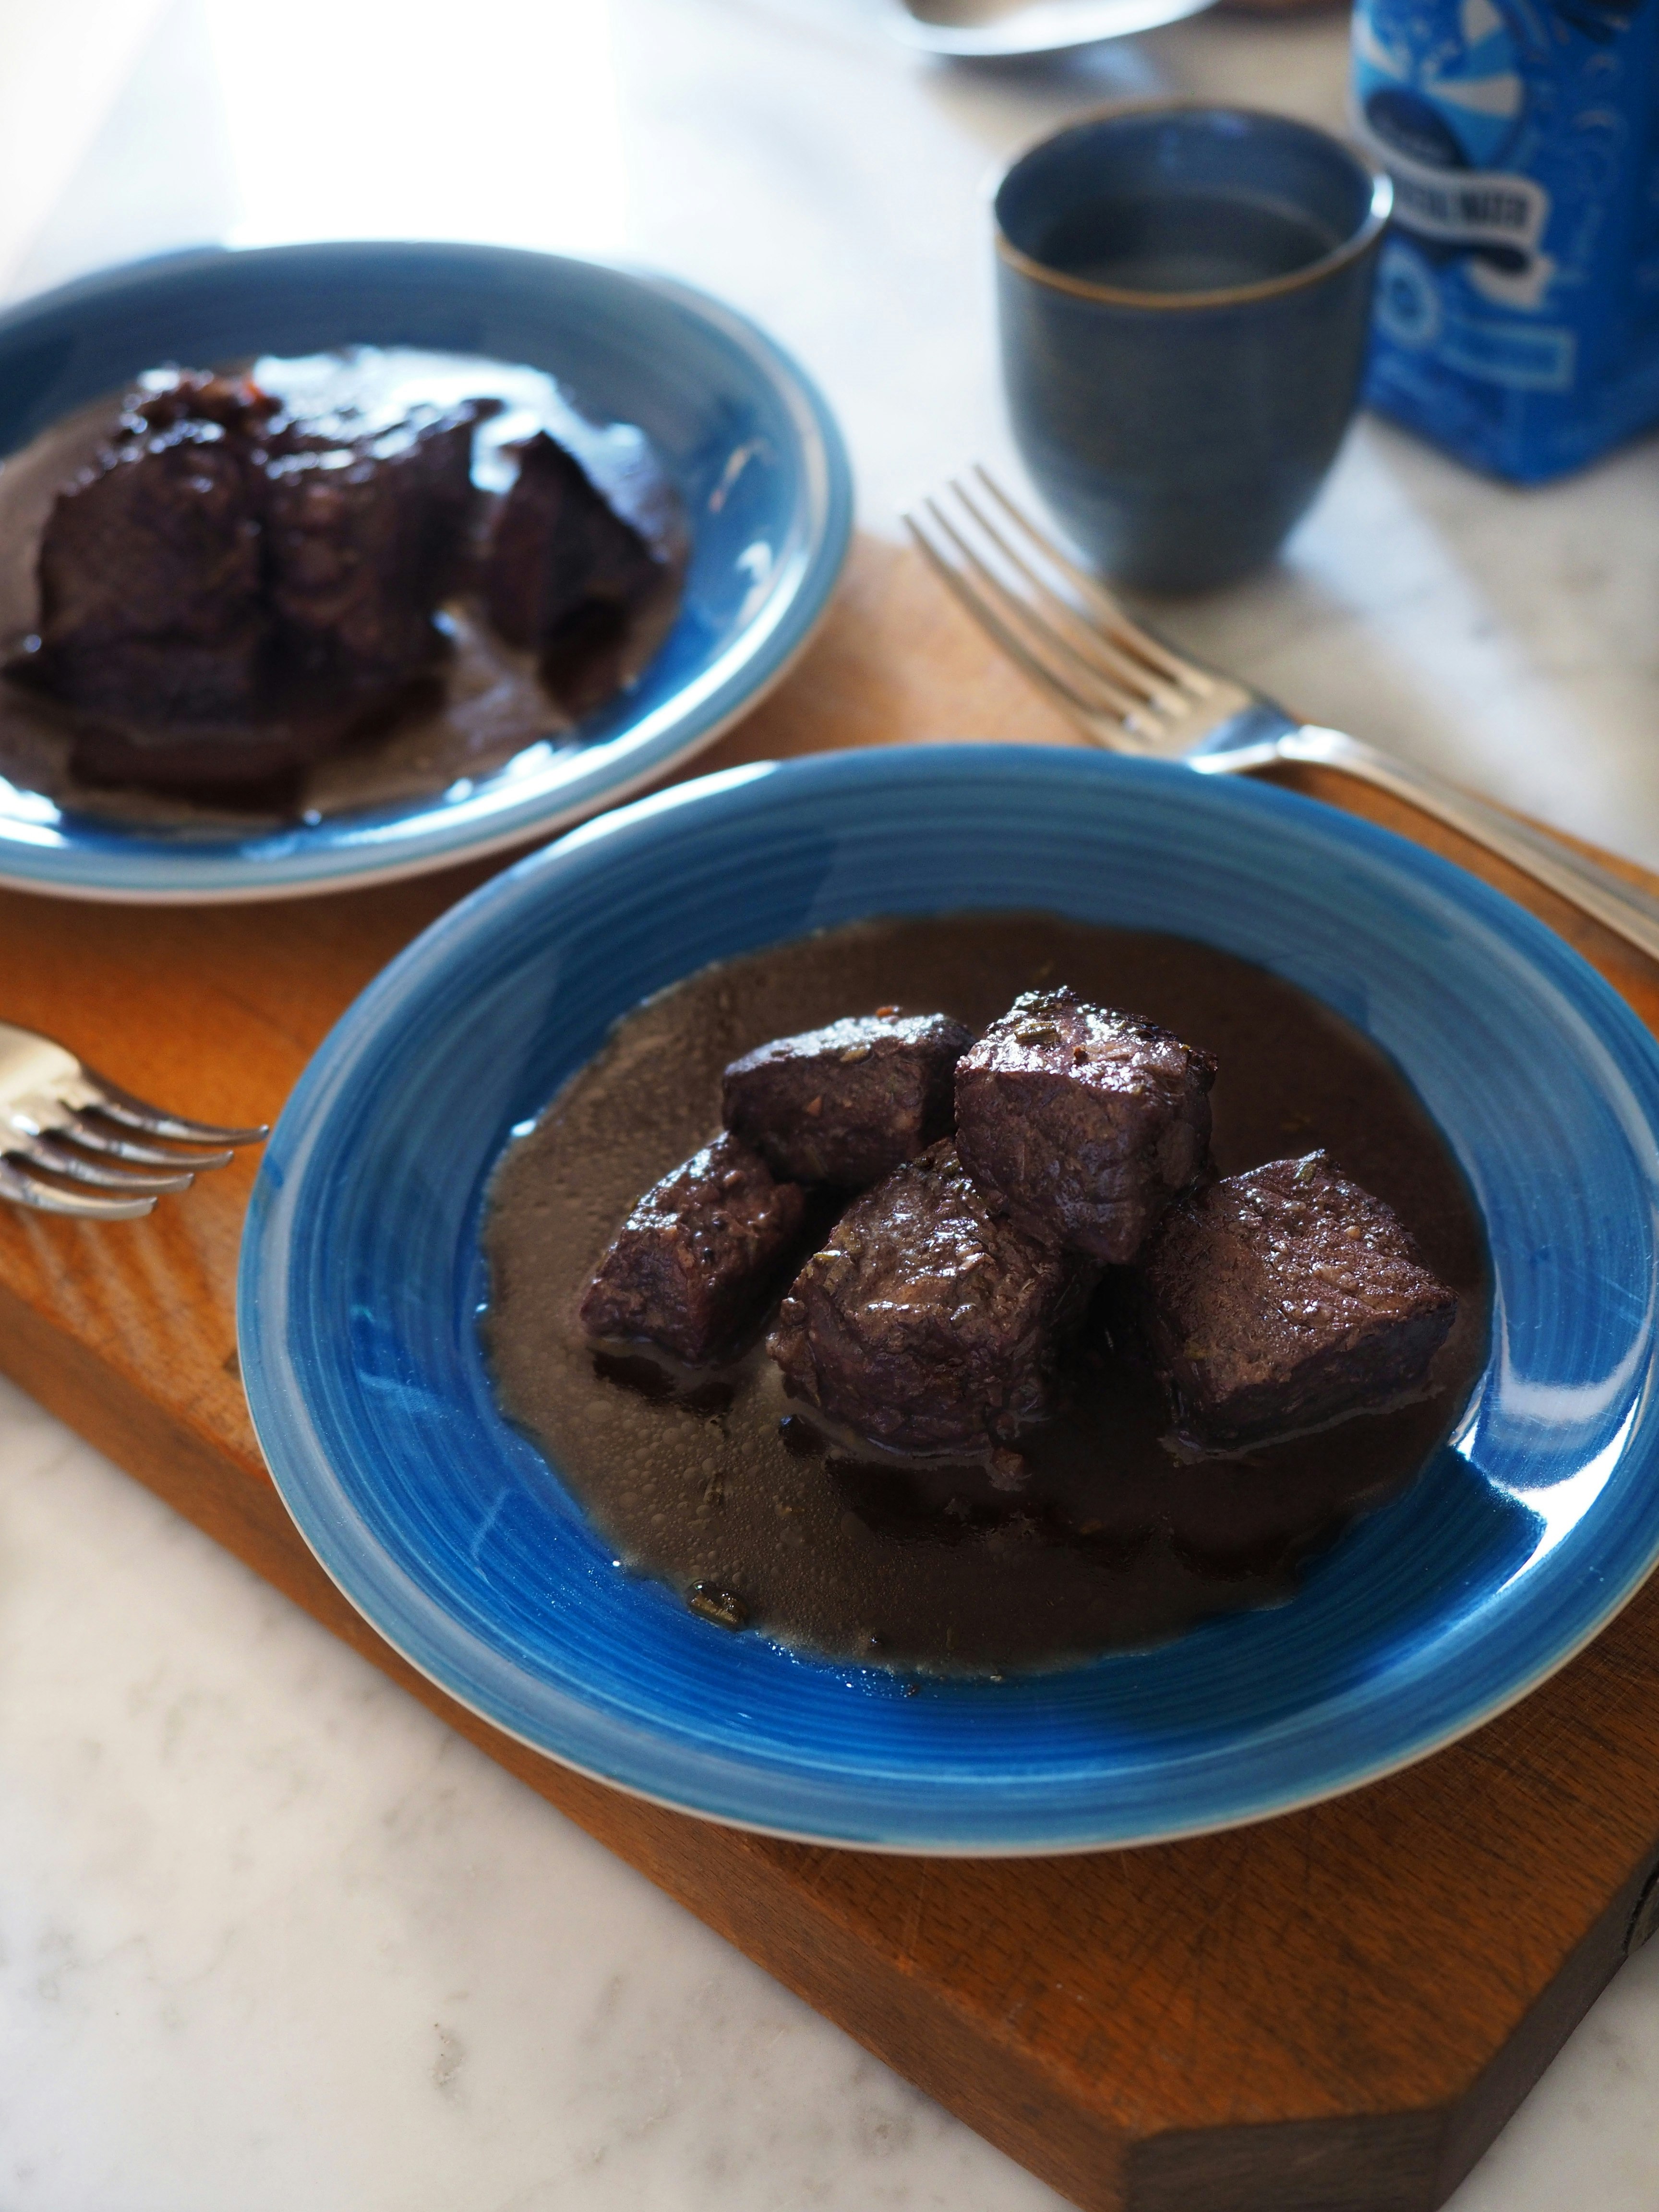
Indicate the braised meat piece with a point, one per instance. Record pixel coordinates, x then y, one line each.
1282 1298
847 1103
696 1254
926 1322
231 589
562 567
218 567
1083 1123
150 569
363 538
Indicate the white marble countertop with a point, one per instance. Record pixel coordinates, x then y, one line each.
270 1934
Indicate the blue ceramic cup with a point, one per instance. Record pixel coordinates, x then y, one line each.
1184 293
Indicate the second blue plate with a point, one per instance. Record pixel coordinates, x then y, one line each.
743 435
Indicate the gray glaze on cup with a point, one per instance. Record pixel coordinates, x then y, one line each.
1184 295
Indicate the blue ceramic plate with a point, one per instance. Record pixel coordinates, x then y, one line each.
743 435
361 1277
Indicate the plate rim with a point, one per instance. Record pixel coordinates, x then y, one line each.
274 1423
147 869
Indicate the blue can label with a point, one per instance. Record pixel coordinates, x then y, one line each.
1517 309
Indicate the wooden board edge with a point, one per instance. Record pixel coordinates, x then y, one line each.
1516 2068
1383 2162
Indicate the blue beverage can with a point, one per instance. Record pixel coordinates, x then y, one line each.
1517 319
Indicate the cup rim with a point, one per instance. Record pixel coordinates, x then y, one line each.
1268 288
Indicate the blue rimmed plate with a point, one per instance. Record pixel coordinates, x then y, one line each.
361 1276
741 432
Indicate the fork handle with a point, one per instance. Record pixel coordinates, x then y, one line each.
1629 913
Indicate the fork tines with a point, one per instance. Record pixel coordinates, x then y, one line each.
22 1188
1059 624
72 1142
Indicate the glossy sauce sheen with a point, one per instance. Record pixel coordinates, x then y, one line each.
828 1548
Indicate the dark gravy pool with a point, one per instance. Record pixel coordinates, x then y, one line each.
714 1483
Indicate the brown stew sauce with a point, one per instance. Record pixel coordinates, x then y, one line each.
716 1482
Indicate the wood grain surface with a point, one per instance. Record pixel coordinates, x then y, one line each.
1331 2012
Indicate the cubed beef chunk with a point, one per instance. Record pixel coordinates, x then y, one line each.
696 1254
363 540
561 566
1285 1297
1081 1122
847 1103
211 559
150 579
926 1323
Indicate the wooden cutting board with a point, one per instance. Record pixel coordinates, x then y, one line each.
1336 2010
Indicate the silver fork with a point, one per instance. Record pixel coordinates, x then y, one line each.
60 1119
1128 690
